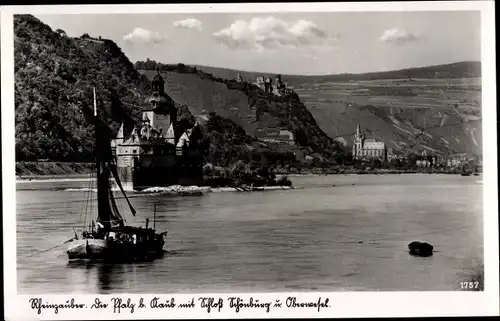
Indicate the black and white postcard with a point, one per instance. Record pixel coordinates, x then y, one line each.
249 160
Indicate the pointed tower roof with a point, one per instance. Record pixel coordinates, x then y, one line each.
134 137
134 132
185 136
196 132
121 132
170 135
183 140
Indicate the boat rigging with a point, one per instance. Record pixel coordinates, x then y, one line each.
108 237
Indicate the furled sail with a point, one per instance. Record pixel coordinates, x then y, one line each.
108 213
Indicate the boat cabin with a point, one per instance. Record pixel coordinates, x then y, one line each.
125 234
130 234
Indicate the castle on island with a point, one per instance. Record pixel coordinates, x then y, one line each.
158 152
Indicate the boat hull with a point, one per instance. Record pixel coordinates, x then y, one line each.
106 250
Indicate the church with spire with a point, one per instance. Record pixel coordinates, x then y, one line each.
158 152
367 148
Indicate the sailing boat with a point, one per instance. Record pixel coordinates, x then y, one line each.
108 238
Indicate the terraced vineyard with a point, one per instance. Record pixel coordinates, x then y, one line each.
204 96
438 115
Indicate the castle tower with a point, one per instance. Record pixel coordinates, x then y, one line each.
146 127
159 108
279 83
120 137
268 85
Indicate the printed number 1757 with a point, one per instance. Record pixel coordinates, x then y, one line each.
469 285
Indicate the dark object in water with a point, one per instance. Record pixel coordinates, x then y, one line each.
333 185
420 248
465 174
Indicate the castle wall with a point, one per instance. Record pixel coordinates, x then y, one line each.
146 170
125 150
158 121
125 161
126 175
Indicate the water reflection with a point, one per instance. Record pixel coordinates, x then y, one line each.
104 277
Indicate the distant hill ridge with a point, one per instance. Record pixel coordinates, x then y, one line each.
462 69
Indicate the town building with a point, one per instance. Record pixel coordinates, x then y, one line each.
428 159
368 148
275 135
158 152
460 159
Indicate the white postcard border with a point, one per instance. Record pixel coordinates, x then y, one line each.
343 304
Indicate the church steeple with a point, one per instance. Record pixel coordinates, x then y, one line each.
358 131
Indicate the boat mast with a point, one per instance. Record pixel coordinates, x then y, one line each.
103 205
154 216
97 164
96 137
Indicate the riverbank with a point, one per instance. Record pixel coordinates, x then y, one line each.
52 170
372 171
66 170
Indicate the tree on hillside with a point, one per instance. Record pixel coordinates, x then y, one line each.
149 64
61 32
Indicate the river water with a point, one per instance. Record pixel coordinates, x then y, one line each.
306 239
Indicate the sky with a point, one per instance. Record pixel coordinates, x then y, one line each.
288 43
